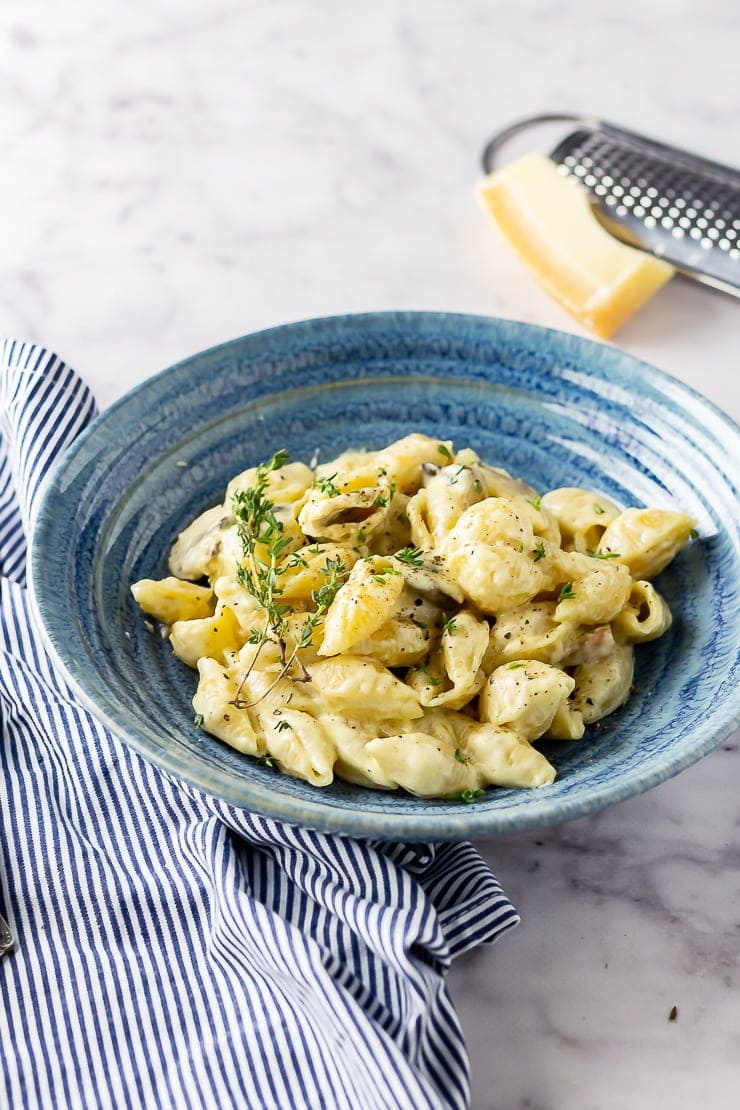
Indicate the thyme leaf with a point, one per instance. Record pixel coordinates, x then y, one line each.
411 556
297 560
326 485
469 795
261 570
384 499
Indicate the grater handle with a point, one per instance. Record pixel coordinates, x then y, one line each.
502 137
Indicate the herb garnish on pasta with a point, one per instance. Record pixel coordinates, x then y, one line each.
411 617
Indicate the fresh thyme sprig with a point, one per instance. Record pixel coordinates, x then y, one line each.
327 486
256 523
335 572
411 556
262 569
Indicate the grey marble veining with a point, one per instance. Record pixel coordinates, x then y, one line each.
176 173
626 915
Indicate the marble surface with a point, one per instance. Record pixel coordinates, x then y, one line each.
177 172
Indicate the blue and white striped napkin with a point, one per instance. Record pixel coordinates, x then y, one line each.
172 951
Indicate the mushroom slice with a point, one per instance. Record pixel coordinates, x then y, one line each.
198 544
432 581
339 517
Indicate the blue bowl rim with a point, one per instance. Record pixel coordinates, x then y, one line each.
475 820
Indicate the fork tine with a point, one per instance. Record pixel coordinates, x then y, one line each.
6 937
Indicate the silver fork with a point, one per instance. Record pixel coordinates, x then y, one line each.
6 937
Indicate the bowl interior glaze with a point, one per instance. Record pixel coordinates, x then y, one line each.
548 406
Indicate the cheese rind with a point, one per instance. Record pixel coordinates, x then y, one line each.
547 218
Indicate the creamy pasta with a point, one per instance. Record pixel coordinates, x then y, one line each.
411 617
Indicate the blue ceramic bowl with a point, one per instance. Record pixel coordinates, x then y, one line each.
553 408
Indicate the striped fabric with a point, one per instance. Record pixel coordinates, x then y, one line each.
172 951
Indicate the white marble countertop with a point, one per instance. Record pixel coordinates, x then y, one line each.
176 173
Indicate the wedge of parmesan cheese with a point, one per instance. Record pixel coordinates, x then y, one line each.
547 218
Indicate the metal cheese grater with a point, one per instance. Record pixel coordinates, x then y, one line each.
676 205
